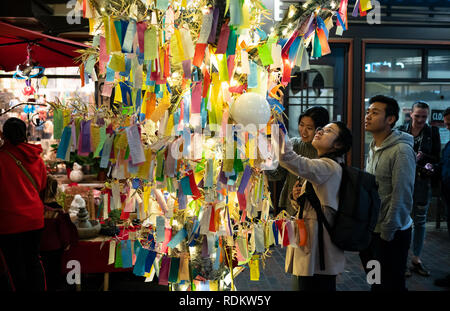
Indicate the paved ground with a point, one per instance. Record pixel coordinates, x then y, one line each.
436 256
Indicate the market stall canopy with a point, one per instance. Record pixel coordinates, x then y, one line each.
48 51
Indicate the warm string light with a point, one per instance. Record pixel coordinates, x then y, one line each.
253 38
291 11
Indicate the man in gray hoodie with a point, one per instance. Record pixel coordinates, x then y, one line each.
393 162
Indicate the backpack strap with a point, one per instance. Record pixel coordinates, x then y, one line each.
301 202
311 195
24 170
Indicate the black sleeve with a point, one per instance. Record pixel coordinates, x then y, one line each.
436 142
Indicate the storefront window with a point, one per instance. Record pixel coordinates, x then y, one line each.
438 64
393 63
406 64
62 83
436 95
61 87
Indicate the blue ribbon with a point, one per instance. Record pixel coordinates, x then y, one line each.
321 25
139 266
341 21
64 144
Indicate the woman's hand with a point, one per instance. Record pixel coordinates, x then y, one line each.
296 190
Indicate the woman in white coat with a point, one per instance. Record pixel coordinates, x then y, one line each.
325 173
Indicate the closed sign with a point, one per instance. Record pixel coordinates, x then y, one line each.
437 118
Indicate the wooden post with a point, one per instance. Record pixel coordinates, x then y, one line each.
106 282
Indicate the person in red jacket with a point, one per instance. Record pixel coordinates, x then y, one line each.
21 208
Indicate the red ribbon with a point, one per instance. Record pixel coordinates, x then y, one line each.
212 220
286 71
242 201
206 83
195 192
223 39
323 42
200 49
343 12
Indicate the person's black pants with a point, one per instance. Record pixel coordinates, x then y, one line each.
392 256
21 252
315 283
52 266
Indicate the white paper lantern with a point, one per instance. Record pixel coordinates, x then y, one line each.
251 108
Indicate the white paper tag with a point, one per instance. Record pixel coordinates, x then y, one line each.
244 61
112 252
134 141
276 56
186 41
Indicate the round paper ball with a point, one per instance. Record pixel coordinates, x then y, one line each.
251 108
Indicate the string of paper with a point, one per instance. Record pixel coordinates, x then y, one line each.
195 88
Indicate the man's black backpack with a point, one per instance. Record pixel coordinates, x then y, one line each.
357 214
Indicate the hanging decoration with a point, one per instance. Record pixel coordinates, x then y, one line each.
180 76
28 70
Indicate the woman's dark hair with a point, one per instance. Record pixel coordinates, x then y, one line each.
344 138
318 114
15 131
51 189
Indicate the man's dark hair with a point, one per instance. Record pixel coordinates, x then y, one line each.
447 112
392 108
318 114
420 104
15 131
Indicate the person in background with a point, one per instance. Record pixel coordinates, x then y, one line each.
308 121
54 237
312 271
393 162
445 186
427 145
21 208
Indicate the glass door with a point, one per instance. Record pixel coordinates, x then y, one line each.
325 84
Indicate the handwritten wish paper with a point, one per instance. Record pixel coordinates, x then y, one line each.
134 142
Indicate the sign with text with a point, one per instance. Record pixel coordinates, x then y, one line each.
437 117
